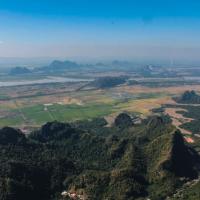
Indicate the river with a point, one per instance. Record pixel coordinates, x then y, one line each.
49 79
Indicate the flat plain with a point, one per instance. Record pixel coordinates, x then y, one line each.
29 106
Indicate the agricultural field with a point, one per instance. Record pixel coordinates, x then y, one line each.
32 106
29 106
69 106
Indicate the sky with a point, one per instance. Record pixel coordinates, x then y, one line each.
124 29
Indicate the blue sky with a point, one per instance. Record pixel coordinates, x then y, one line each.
91 28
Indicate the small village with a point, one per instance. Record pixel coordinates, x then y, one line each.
73 195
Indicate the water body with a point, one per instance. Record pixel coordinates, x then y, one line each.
49 79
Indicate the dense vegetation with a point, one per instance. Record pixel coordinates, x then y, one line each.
189 97
188 111
108 82
193 112
123 120
94 161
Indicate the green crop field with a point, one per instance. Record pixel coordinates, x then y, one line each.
39 114
37 110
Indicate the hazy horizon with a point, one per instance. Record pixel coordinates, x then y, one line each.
9 62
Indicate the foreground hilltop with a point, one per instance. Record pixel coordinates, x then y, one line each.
88 160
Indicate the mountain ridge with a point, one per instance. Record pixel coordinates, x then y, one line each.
136 162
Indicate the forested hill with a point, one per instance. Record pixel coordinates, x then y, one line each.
189 97
108 82
88 160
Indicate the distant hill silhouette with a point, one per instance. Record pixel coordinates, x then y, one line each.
19 70
188 97
123 120
57 65
108 81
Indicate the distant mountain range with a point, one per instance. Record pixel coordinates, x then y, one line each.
58 66
65 66
52 67
19 70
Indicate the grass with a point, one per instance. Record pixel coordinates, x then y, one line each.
14 121
142 106
28 111
74 112
96 103
38 115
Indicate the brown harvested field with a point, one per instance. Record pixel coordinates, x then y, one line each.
189 140
136 99
178 119
110 118
170 90
144 106
39 100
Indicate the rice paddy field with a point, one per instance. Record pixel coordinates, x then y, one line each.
37 110
34 110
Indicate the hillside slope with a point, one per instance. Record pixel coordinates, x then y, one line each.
143 161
